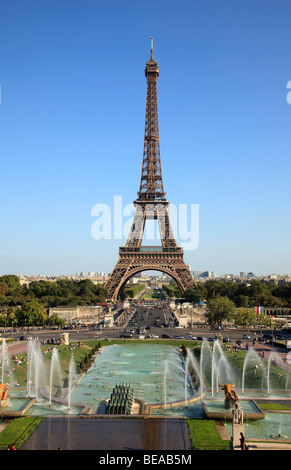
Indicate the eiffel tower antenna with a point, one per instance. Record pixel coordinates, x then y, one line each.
151 203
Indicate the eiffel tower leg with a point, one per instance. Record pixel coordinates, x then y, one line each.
117 277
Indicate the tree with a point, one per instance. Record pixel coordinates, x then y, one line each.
3 288
220 309
11 280
245 317
54 319
12 316
32 313
192 295
242 300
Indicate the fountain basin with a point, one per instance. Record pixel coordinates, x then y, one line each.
16 407
140 365
214 409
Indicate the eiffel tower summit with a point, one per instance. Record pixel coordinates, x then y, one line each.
151 204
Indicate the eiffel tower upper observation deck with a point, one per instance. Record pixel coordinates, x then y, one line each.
150 204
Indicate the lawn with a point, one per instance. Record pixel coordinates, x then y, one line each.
18 431
65 354
151 296
205 436
274 406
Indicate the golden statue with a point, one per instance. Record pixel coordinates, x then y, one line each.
3 392
231 396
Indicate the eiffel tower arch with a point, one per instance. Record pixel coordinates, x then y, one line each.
151 204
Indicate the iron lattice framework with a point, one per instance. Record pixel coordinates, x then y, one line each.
150 204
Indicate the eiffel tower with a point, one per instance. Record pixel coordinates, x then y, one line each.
150 204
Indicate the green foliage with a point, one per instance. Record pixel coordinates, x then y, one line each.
131 290
274 406
18 431
205 436
12 281
247 317
54 319
172 290
244 317
220 309
254 293
63 292
66 292
195 295
33 312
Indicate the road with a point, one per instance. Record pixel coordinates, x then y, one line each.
155 320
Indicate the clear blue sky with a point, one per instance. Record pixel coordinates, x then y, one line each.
72 113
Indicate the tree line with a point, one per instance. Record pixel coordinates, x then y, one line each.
234 302
251 294
26 305
62 292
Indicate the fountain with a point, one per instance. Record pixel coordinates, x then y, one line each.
251 356
34 368
221 369
190 361
219 360
205 360
273 356
72 378
166 372
55 373
4 359
161 378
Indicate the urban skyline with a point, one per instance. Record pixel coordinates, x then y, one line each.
72 118
196 273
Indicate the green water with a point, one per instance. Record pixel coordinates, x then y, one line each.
247 406
16 404
268 428
141 365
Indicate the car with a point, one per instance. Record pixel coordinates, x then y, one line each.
191 337
246 337
178 337
226 340
266 337
21 338
125 335
166 336
200 338
155 336
210 339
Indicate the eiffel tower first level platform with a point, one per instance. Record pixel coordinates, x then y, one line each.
151 204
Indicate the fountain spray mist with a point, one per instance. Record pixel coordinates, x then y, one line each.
55 373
